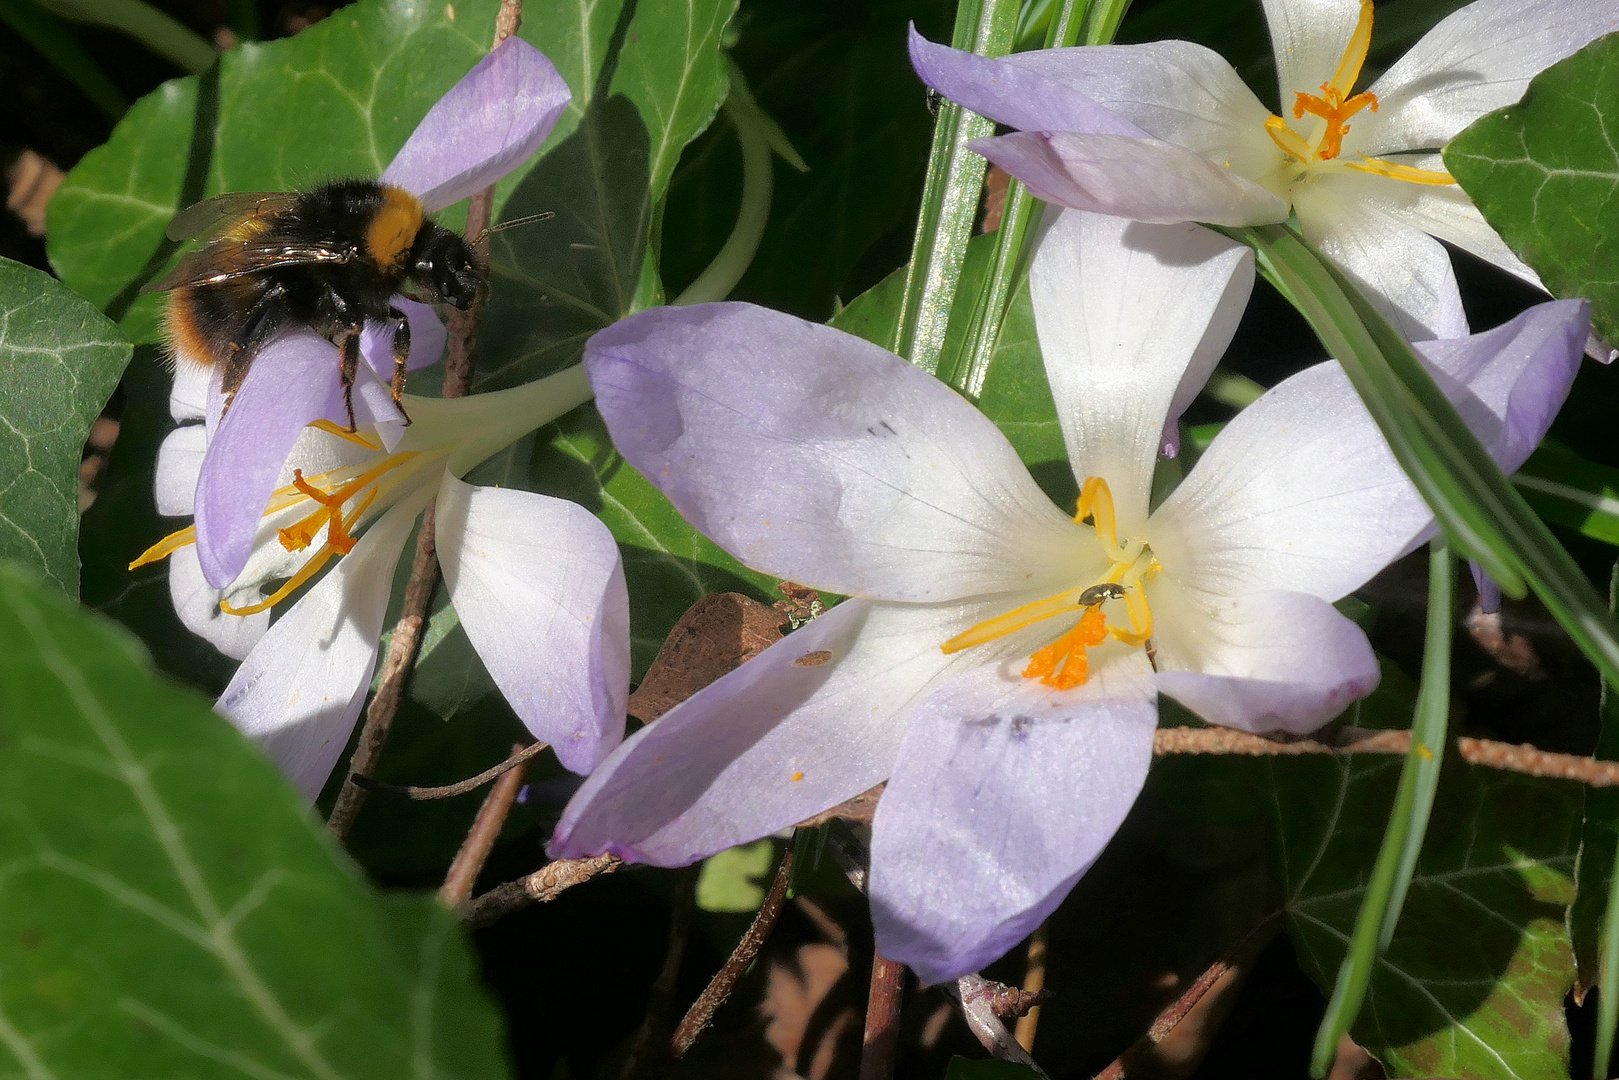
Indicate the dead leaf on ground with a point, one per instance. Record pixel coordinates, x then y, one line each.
713 638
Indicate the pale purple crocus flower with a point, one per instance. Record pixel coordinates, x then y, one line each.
490 122
536 582
993 661
1167 131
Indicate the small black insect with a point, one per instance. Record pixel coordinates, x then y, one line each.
1098 594
329 259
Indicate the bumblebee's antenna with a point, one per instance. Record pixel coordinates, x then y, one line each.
512 224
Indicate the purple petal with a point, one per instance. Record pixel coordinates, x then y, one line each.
538 585
488 124
1510 382
1269 661
294 381
772 743
1144 179
1010 94
816 456
427 338
1004 794
1489 593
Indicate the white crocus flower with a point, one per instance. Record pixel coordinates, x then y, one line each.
536 581
1167 131
1000 659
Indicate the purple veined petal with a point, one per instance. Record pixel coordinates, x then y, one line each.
813 720
1404 271
1132 319
179 463
1476 60
293 381
427 338
539 587
1509 383
879 480
1003 795
197 604
299 691
488 124
1142 179
1011 94
1489 593
1263 661
1308 38
188 397
1174 90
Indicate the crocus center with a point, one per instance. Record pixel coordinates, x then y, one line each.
1063 663
1332 109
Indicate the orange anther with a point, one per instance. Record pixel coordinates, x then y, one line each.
299 536
1063 663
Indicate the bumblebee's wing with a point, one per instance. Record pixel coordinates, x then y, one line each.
209 218
221 260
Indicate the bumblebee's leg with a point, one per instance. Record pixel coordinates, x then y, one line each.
266 315
401 357
349 347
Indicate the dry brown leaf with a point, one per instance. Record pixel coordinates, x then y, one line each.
714 637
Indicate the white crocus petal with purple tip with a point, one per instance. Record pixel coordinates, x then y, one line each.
968 852
488 124
1359 203
1003 794
531 576
197 604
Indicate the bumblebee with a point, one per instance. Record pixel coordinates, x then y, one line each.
328 259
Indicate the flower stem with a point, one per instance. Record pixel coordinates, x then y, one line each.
1402 839
950 195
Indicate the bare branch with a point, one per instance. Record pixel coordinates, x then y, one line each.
540 887
460 787
880 1046
481 837
977 996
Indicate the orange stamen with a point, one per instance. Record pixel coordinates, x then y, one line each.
307 571
1334 109
1062 664
166 547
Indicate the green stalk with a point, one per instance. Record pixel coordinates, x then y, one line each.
159 32
1019 215
56 43
950 196
1597 827
1102 21
1402 840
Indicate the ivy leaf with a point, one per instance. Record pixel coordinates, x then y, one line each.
59 362
170 907
1473 982
1545 171
341 98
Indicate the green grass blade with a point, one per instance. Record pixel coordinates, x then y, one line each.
1402 840
160 32
1597 805
949 196
56 43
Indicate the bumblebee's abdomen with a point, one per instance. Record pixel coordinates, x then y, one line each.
204 324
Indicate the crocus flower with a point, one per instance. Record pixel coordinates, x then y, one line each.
536 581
999 660
1167 131
486 125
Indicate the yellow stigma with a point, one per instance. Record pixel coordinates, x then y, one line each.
1334 106
1063 663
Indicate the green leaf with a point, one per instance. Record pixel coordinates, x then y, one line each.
735 880
1544 173
1570 490
171 908
1473 981
1390 880
54 41
59 362
342 97
1593 919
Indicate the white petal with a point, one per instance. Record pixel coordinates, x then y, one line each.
1308 38
179 463
539 587
188 398
1475 61
300 690
1263 661
197 604
1176 91
1405 272
1126 313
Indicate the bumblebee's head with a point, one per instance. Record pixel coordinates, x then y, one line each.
442 262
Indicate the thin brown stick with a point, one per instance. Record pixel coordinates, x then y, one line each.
481 837
460 787
978 998
540 887
650 1050
1487 753
1034 983
407 633
719 988
1134 1057
880 1046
